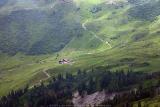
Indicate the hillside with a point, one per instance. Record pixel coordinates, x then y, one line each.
151 102
38 28
115 34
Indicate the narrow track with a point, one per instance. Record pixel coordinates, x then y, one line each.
95 35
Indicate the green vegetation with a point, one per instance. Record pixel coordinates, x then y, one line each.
149 102
36 31
126 87
117 36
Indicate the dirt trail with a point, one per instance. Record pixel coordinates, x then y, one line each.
48 76
46 73
84 25
95 35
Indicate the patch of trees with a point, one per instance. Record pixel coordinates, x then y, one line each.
139 36
134 1
126 99
95 9
58 31
13 99
38 32
15 35
146 11
60 89
44 2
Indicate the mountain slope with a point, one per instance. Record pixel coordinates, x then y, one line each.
91 33
37 29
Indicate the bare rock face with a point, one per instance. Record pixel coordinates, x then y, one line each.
92 99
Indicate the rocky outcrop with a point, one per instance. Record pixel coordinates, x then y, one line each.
92 99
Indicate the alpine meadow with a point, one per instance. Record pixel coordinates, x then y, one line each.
79 53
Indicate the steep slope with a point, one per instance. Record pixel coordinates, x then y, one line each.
37 29
91 33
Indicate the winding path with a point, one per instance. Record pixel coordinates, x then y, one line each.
48 76
95 35
84 25
46 73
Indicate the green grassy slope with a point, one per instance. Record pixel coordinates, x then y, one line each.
134 42
151 102
113 38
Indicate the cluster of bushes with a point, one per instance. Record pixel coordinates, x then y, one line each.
95 9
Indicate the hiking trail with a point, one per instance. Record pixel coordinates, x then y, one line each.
95 35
